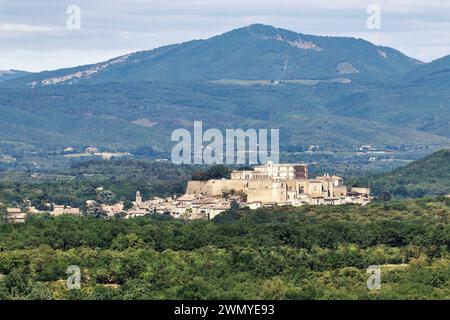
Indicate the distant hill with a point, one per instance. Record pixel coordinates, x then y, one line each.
419 99
12 74
126 116
74 185
428 176
436 73
334 92
255 52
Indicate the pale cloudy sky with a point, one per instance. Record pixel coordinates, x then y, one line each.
34 36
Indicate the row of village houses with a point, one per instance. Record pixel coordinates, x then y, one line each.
188 207
185 207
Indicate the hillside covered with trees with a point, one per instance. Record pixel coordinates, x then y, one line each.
427 176
81 181
317 252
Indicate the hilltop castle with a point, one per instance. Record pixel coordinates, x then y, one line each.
263 186
282 184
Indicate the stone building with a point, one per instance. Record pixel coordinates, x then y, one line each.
273 171
114 209
59 210
283 184
15 215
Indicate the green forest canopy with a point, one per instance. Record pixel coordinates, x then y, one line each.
310 252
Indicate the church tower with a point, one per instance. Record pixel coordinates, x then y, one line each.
138 198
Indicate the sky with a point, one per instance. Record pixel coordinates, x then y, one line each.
34 35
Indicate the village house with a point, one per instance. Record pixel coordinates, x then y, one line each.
59 210
18 215
15 215
112 210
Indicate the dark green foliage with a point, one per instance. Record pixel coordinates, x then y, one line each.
214 172
118 180
94 210
334 116
279 253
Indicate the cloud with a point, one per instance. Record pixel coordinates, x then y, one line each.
418 28
56 59
14 27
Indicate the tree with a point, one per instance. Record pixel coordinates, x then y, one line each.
40 291
214 172
94 210
386 196
2 215
106 197
127 205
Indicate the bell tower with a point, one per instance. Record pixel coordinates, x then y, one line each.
138 197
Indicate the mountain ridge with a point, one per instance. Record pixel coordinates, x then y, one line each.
253 52
436 72
10 74
138 99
